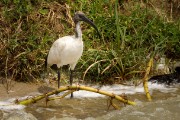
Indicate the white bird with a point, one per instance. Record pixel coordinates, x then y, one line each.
68 49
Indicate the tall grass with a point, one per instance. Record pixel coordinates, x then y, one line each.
130 31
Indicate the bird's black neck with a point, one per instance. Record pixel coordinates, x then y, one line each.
78 32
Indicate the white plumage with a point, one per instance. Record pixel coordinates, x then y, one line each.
66 50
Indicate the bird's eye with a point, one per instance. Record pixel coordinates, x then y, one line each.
81 15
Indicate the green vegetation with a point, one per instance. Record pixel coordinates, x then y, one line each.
131 32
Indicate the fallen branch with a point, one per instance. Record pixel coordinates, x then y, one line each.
74 88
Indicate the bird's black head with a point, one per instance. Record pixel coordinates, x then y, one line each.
80 16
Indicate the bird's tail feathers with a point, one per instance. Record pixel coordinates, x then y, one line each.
54 67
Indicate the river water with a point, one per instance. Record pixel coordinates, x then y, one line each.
92 106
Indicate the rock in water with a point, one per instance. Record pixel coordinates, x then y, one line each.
168 79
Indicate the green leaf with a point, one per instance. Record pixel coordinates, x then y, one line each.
43 11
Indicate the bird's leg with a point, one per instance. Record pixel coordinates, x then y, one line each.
59 76
45 68
71 80
46 72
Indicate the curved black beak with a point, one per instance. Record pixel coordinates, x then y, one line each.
85 19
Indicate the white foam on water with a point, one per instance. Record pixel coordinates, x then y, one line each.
8 106
120 89
115 89
162 87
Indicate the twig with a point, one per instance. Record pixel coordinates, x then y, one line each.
60 97
110 103
92 66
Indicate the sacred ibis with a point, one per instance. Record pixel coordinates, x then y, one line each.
68 49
